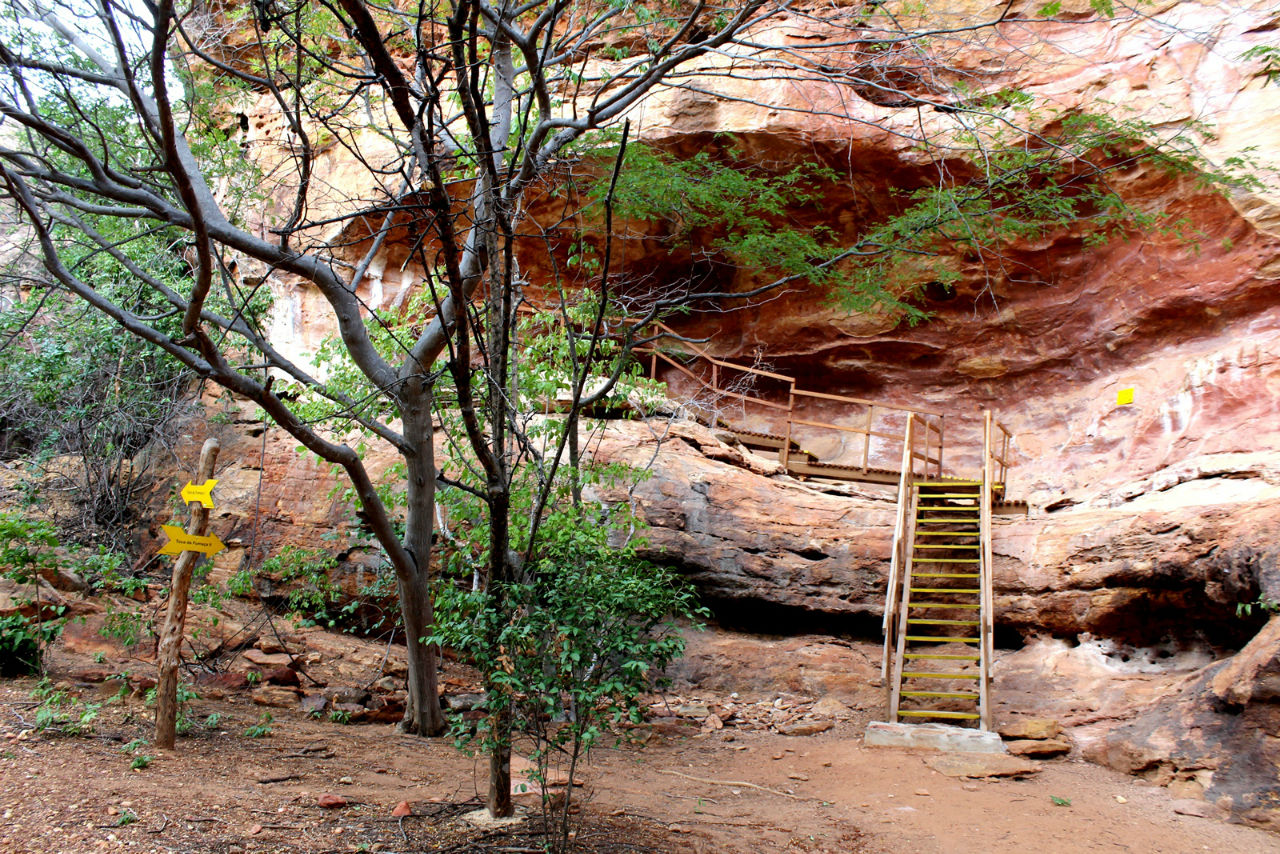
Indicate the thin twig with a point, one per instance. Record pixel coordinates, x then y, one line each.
742 783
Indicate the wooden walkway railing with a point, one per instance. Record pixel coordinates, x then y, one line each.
724 380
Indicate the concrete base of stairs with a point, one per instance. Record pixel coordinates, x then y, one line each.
949 739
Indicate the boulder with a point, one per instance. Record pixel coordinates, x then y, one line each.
830 707
32 598
267 660
353 711
1045 748
1030 728
383 708
981 765
804 727
1213 736
281 676
314 704
278 696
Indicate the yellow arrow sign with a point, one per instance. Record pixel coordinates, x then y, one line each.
180 541
203 494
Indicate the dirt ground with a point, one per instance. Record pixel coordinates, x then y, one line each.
721 791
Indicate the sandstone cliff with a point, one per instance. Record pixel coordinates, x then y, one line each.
1149 522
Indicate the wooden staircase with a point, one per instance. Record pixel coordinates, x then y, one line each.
939 605
939 667
938 616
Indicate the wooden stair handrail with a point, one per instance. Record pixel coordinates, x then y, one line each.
668 332
898 558
931 420
922 422
1006 436
992 432
721 363
840 398
691 375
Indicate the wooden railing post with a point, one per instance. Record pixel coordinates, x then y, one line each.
785 454
942 421
1004 459
866 440
905 480
928 434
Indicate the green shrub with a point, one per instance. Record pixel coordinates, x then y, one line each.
261 729
22 640
27 547
61 713
306 572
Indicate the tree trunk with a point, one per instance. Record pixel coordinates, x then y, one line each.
422 713
175 617
501 574
499 799
575 456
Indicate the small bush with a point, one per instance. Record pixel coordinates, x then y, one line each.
261 729
61 713
27 546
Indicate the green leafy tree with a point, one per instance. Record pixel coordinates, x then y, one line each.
569 626
575 644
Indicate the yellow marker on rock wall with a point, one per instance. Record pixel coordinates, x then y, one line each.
1124 397
180 541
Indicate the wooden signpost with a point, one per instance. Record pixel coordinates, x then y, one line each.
188 545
